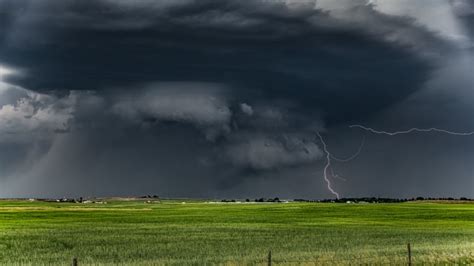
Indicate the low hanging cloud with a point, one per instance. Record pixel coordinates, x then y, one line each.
24 113
260 137
272 153
27 112
201 105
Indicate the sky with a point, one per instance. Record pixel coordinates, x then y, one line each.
224 99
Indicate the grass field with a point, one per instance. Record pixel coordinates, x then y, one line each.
133 232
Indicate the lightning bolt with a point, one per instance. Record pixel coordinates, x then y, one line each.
411 130
348 159
327 166
329 156
335 175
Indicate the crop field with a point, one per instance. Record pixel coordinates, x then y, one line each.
197 232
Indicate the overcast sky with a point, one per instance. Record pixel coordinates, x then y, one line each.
185 98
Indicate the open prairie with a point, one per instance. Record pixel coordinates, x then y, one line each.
198 232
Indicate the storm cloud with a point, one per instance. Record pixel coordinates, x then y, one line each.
201 98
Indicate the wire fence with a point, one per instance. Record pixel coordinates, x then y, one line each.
374 259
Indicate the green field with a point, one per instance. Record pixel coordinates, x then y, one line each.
134 232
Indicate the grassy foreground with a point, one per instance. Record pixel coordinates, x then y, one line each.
133 232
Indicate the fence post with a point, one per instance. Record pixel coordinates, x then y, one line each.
270 258
409 254
74 262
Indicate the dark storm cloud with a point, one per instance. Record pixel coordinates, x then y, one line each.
158 94
264 48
